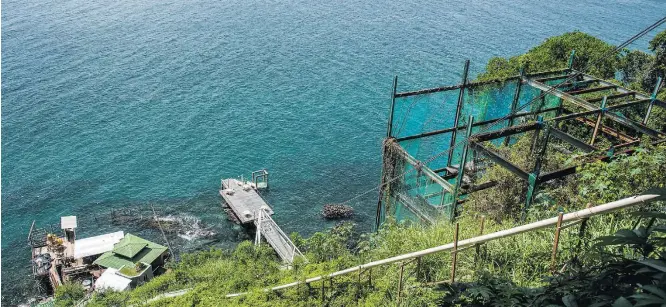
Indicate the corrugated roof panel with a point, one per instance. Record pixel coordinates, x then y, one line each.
96 245
130 249
147 254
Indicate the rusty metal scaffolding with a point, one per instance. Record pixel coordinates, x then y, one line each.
608 120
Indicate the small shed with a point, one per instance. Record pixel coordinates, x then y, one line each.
111 280
68 224
131 250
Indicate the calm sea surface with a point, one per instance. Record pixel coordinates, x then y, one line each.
127 104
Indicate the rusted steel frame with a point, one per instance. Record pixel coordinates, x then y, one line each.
608 130
572 140
572 169
627 144
499 160
584 104
459 107
573 115
476 124
592 90
473 84
479 187
593 100
556 241
619 88
428 91
556 78
576 83
599 118
487 136
628 104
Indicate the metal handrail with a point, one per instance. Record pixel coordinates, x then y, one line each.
569 217
264 216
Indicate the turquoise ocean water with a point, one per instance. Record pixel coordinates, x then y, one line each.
128 103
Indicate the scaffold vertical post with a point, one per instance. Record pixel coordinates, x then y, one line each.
533 179
599 118
459 107
389 129
461 169
514 104
571 58
652 99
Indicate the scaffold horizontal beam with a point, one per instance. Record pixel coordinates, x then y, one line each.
499 160
572 140
586 105
487 136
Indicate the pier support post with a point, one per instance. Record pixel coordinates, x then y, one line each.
461 99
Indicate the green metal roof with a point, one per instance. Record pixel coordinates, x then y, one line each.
129 249
141 250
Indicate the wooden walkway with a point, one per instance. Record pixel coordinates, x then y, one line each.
249 207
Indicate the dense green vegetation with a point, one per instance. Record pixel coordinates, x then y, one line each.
617 259
68 294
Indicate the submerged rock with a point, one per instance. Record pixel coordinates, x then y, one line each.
337 211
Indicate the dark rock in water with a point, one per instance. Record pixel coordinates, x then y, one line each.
337 211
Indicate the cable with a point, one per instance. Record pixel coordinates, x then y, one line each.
520 108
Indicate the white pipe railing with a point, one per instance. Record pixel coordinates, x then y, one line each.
569 217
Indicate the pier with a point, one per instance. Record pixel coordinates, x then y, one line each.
250 208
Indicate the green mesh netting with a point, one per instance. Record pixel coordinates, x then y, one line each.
416 196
